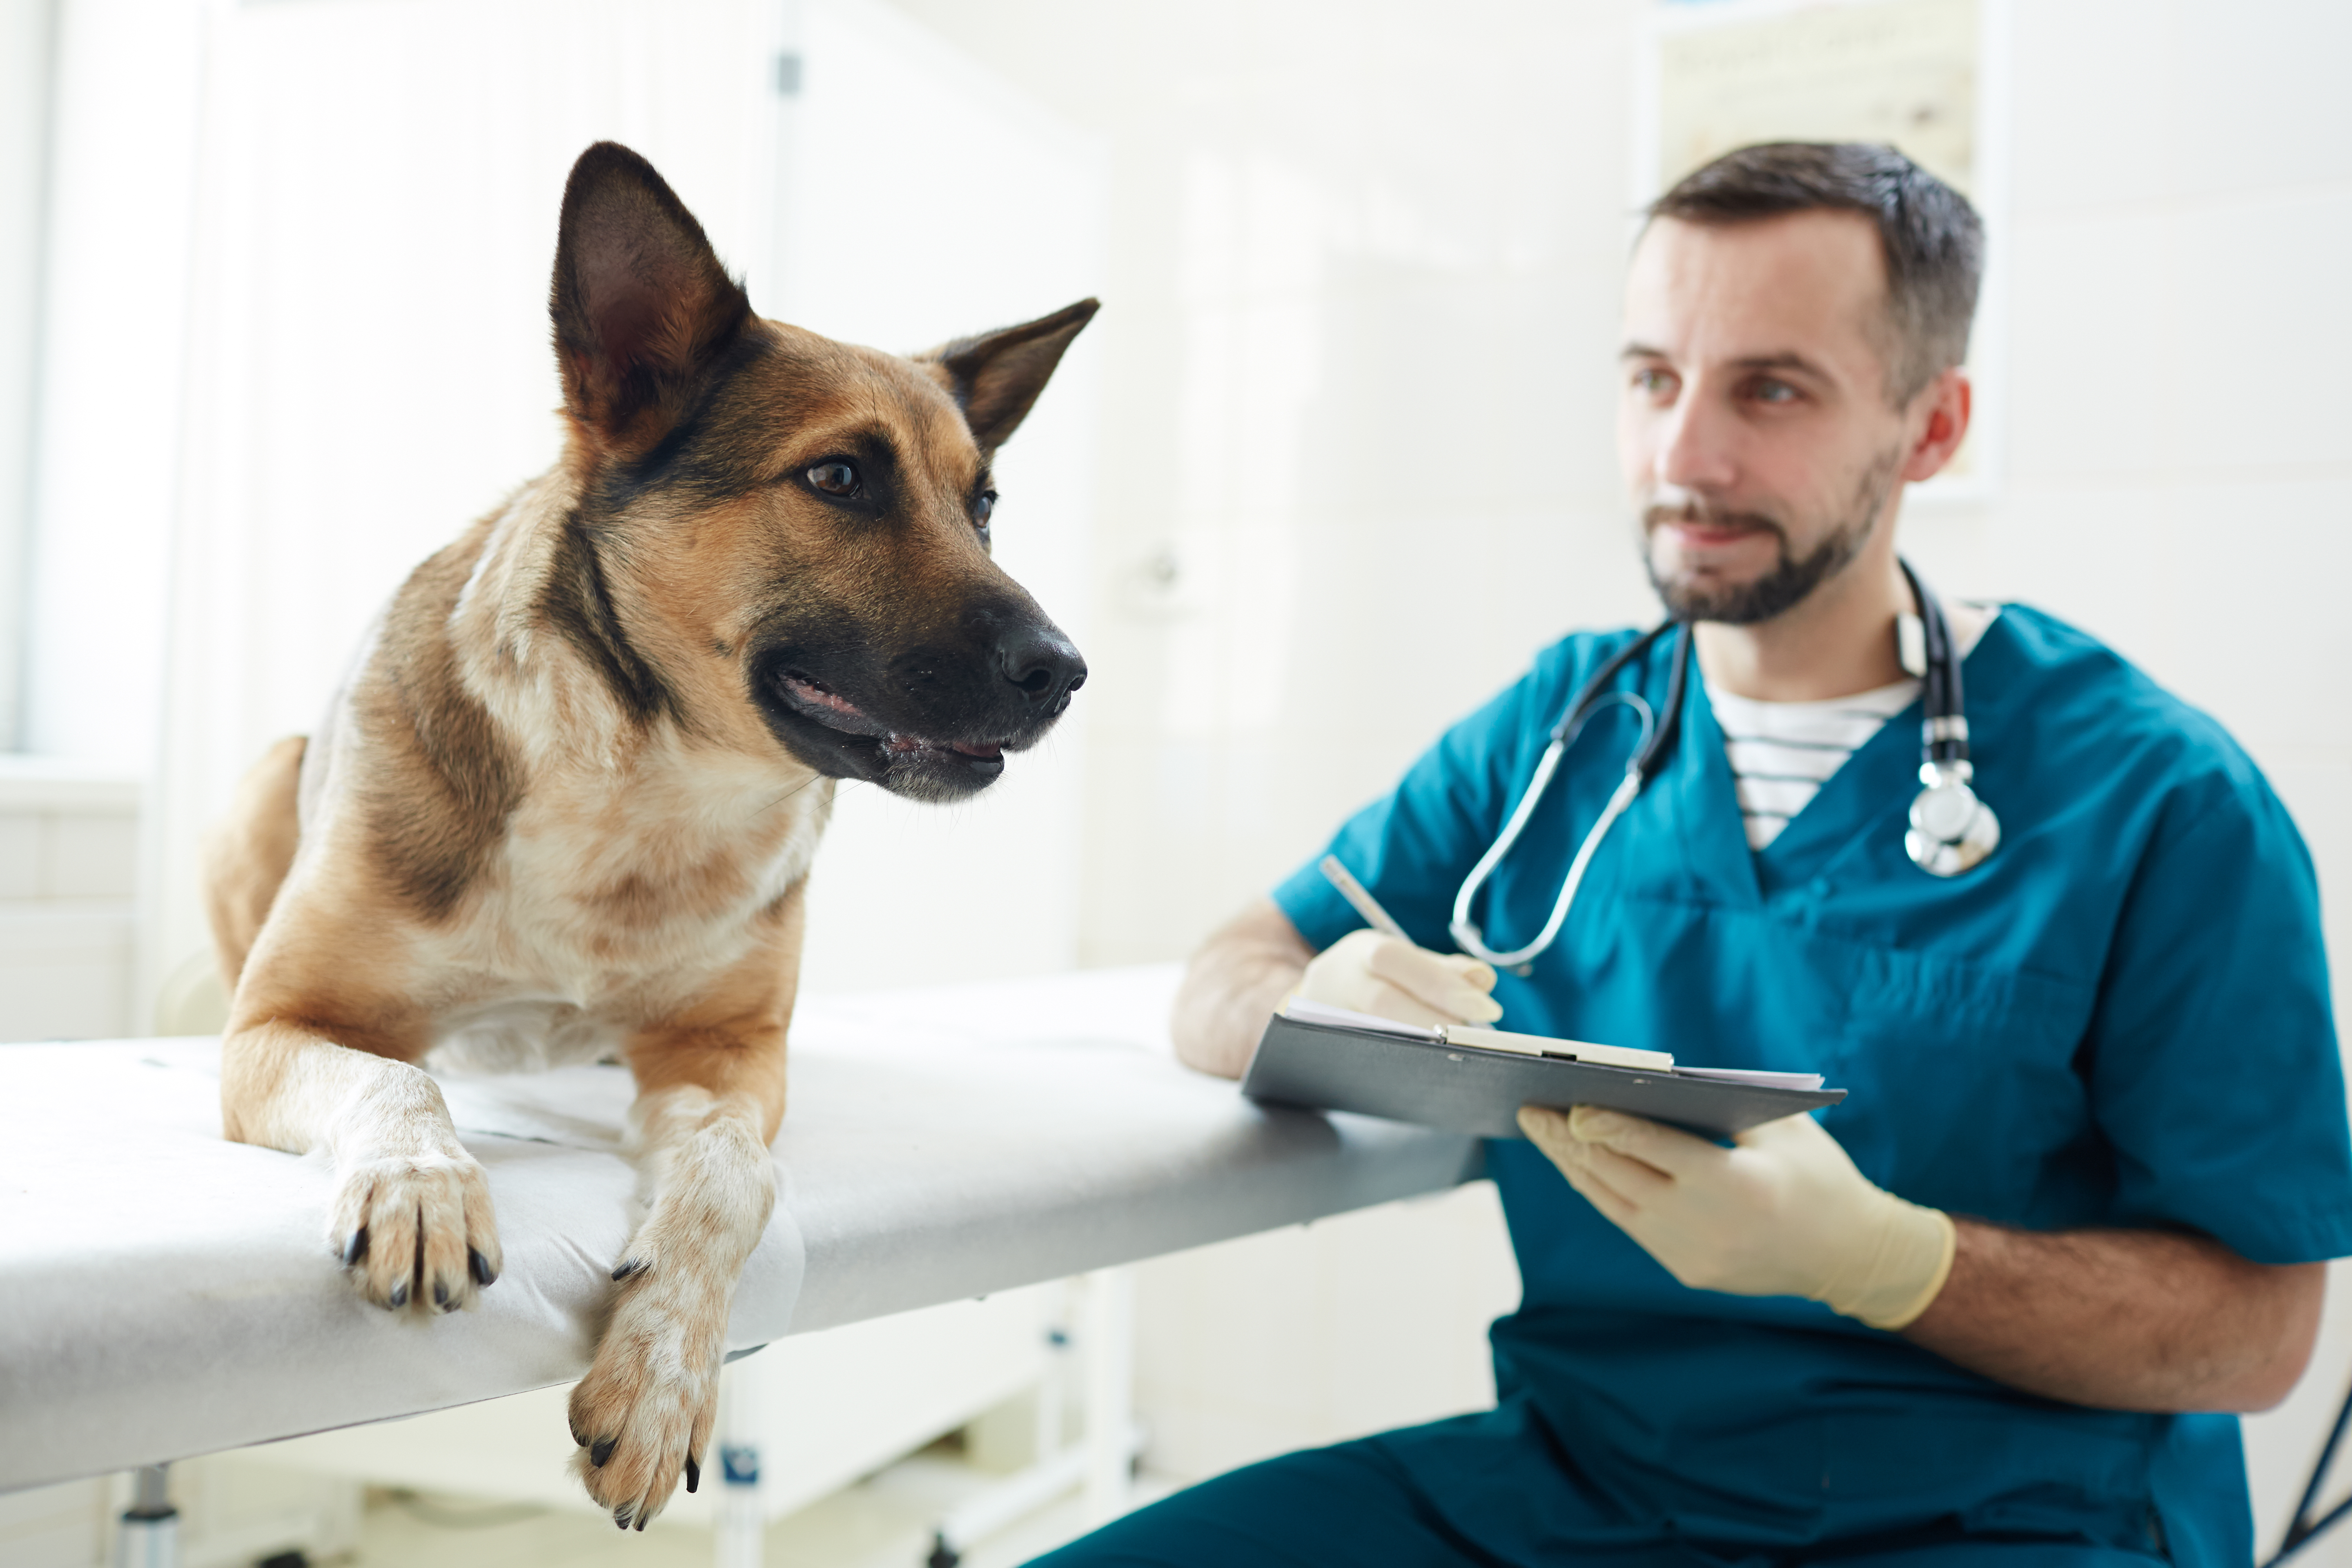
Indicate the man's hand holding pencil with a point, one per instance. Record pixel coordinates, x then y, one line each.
1381 972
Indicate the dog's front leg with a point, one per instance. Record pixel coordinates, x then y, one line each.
710 1102
410 1217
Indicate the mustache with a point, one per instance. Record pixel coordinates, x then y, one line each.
1657 516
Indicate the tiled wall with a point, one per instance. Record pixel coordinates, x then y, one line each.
68 856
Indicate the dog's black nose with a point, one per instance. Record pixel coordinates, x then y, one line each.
1041 664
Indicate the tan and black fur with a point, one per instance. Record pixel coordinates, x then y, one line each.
565 806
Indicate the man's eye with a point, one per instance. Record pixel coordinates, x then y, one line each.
1655 382
1773 392
835 478
984 506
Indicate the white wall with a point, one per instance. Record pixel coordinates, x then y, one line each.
107 459
1363 274
1363 271
25 58
1364 265
933 201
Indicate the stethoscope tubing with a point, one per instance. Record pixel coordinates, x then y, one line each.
1649 753
1944 743
1468 936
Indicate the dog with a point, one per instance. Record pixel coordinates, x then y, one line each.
563 808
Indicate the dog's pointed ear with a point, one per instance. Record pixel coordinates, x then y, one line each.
996 377
642 308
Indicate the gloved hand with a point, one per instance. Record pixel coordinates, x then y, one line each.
1781 1213
1368 973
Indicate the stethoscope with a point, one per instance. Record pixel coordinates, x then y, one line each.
1950 829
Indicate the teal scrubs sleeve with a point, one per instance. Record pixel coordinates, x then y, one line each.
2212 1057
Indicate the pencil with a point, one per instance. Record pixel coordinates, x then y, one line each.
1378 919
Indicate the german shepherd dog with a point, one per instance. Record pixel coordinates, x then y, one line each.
563 809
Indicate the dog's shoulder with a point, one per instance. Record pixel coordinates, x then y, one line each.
436 779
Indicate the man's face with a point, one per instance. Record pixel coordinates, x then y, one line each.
1758 443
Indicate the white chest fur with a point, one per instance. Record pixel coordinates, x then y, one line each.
617 900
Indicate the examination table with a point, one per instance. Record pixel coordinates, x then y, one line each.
165 1294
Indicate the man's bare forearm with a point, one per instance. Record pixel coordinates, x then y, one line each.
2125 1320
1239 976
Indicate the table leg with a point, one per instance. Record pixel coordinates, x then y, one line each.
1106 1337
741 1533
148 1533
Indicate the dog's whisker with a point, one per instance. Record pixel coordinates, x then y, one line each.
792 792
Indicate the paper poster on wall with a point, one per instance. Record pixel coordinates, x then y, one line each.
1920 74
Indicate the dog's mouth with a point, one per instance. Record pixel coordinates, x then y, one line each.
860 737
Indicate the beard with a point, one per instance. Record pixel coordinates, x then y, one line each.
1792 578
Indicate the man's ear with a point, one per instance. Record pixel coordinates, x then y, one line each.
1950 402
641 306
996 377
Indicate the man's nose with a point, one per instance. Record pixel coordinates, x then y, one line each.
1696 448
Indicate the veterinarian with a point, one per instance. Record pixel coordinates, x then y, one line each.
1997 1304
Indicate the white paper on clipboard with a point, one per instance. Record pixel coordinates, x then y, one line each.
1307 1011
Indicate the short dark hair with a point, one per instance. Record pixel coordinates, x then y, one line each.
1932 238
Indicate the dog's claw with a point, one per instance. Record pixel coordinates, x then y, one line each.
479 1265
621 1517
642 1517
399 1295
603 1450
633 1267
441 1295
356 1247
693 1473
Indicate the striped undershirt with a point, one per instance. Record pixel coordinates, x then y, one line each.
1782 752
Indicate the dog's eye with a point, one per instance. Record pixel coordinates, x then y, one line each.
985 505
835 478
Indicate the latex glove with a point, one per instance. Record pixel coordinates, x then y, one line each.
1368 973
1781 1213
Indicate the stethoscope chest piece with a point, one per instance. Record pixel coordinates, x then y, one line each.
1951 830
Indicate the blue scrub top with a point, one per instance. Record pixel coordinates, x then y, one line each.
2121 1019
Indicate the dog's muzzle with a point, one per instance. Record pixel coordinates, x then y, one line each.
931 724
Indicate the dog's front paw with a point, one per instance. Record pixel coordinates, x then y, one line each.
643 1414
416 1230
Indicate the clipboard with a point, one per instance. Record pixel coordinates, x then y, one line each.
1465 1089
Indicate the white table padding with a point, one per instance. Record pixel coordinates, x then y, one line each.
164 1293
